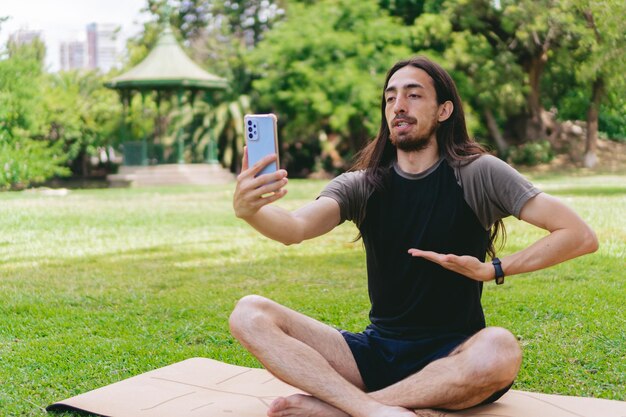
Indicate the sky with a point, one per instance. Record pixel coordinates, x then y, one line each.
62 20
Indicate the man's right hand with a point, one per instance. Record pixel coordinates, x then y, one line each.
252 192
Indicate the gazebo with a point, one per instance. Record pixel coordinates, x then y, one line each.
169 73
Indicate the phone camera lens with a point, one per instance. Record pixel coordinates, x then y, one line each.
249 122
250 135
249 129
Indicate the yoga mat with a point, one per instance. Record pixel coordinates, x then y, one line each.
201 387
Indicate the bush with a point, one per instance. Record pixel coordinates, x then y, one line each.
24 161
613 124
531 153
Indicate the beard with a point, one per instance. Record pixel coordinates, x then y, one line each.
413 142
409 143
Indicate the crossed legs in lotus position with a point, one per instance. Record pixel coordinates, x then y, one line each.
315 358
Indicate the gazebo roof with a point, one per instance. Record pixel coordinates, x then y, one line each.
167 67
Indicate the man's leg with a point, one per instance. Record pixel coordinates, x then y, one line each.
306 354
484 364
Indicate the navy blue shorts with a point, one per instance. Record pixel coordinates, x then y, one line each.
383 361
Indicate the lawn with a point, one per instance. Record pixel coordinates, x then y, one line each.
100 285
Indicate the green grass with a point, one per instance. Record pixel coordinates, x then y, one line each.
100 285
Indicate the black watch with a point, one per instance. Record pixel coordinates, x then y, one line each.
497 265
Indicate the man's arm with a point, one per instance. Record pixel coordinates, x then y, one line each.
253 196
569 237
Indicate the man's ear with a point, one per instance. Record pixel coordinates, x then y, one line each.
445 111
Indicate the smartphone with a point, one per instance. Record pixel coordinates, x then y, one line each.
261 139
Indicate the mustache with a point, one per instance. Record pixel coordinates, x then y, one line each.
403 118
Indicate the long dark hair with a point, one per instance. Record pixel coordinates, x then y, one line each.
453 141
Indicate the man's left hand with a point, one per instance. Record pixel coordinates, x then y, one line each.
468 266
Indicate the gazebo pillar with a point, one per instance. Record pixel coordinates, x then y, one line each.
179 133
144 140
211 157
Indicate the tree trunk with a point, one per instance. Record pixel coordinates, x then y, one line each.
84 164
527 126
534 126
494 130
591 144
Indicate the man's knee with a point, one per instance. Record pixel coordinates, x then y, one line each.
501 356
251 313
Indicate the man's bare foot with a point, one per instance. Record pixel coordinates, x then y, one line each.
307 406
430 413
299 405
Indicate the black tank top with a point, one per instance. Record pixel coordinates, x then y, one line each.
413 297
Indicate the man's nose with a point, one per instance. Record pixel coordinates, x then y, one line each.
399 105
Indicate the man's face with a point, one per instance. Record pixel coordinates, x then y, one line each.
411 109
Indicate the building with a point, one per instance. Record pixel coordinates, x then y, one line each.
73 55
25 36
101 46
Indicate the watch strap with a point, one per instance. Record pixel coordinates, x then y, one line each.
497 265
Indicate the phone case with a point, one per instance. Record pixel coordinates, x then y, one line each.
261 139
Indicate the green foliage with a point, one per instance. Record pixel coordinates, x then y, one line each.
319 64
24 161
562 90
594 51
503 52
80 112
25 154
603 43
247 19
101 285
613 120
34 51
223 123
323 68
20 87
536 26
604 49
50 122
409 10
531 153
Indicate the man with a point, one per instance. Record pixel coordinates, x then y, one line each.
428 202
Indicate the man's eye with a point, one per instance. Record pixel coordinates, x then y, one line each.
390 99
414 96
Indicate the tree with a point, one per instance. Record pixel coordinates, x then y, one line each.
25 154
80 114
605 47
322 69
319 64
489 79
522 35
409 10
